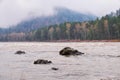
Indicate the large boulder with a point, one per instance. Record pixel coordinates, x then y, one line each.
67 51
20 52
42 61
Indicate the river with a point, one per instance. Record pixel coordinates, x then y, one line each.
100 62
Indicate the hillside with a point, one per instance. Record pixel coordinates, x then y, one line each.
61 15
106 28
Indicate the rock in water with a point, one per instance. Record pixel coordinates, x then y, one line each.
67 51
118 56
53 68
20 52
42 61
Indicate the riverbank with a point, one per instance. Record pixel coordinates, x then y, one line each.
83 41
113 40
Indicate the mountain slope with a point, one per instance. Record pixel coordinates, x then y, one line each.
61 15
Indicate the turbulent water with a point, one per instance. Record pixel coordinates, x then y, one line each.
100 62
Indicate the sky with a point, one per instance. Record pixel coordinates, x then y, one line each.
15 11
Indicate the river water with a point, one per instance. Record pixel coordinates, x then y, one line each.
100 62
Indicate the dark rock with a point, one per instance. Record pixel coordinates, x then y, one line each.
67 51
20 52
118 56
42 61
53 68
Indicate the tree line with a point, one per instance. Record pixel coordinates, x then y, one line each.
106 28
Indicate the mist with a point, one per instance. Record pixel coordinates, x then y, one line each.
15 11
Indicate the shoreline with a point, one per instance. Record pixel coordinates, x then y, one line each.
85 41
69 41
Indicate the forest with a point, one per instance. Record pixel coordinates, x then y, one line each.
105 28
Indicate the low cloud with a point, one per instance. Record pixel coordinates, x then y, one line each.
15 11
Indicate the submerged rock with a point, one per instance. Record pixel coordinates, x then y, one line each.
53 68
67 51
20 52
42 61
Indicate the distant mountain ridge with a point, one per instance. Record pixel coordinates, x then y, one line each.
105 28
61 15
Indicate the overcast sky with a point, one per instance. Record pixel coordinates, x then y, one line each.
14 11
